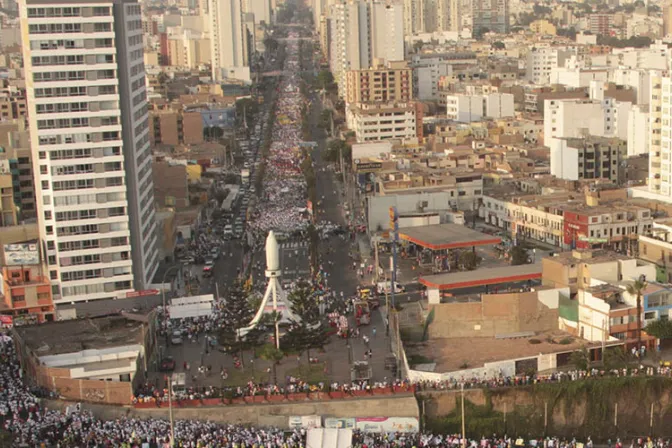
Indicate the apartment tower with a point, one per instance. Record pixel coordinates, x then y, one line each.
88 120
228 40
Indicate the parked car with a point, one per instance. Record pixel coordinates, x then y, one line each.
167 364
176 338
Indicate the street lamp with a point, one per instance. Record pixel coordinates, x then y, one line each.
165 326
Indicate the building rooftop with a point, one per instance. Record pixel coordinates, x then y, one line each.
446 236
482 277
451 354
70 336
588 256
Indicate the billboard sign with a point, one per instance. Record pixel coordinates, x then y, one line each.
387 424
339 423
305 421
22 254
367 167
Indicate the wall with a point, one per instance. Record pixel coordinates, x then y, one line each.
574 409
496 314
266 414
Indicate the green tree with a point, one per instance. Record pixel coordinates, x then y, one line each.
615 358
661 329
469 260
270 353
325 79
237 315
498 45
580 359
334 150
305 331
518 255
636 289
245 109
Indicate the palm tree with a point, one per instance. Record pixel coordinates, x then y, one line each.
637 289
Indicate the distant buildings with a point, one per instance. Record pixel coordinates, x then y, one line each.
229 41
392 81
490 15
362 32
469 108
381 121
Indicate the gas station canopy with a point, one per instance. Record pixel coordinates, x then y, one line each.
446 236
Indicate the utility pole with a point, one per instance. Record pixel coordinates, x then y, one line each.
170 412
464 431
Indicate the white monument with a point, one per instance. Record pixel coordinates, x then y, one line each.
273 289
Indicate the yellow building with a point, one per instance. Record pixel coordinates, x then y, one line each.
543 27
194 173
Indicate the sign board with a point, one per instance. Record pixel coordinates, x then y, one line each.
143 293
367 166
308 144
305 421
387 424
22 254
587 239
339 423
394 223
6 321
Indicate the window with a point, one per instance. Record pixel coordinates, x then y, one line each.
649 315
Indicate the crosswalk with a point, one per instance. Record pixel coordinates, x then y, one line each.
293 245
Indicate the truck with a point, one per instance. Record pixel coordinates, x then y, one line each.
386 287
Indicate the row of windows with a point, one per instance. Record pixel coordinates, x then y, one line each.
95 288
63 123
58 60
135 40
58 28
81 153
76 215
59 76
51 108
81 275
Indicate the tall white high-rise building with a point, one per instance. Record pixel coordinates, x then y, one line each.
88 118
228 40
361 32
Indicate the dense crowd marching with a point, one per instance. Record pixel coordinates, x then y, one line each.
283 204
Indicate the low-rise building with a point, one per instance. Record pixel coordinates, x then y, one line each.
99 359
383 121
175 127
384 82
589 158
26 295
470 108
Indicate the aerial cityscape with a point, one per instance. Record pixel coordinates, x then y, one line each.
336 223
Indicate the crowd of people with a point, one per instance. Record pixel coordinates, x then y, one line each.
283 202
526 380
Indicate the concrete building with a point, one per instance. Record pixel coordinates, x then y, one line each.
426 75
25 290
383 121
470 108
262 10
175 127
543 27
490 15
392 81
228 41
575 118
171 187
600 24
542 60
580 269
414 17
95 360
91 157
361 32
638 130
588 158
15 158
188 49
667 19
449 15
